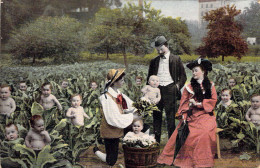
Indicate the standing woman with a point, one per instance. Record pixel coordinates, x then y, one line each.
200 97
117 115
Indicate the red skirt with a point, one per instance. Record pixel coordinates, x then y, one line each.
199 148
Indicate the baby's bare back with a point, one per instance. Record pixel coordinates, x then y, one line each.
5 106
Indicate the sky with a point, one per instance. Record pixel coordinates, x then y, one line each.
186 9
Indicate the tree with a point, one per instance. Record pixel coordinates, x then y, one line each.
178 32
54 37
125 30
250 20
15 13
223 38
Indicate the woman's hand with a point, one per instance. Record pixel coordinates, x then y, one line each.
192 102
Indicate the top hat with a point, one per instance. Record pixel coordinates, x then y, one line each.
158 41
206 64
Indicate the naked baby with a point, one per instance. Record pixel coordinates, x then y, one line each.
253 113
23 86
47 99
37 137
151 92
76 112
7 104
11 132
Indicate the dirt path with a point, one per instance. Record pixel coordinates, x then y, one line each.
229 160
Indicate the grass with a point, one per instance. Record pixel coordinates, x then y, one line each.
7 61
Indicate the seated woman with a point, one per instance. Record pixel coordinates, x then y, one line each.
200 98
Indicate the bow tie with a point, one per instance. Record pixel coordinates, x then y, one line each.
162 57
122 101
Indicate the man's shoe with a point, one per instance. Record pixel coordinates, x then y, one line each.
95 149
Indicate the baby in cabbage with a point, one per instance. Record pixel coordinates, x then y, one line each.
253 113
48 100
76 113
7 104
37 137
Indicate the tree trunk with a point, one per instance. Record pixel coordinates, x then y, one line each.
107 49
125 59
34 57
140 5
222 58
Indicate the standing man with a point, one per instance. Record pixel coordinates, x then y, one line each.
170 70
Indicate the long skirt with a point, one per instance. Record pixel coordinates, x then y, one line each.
199 148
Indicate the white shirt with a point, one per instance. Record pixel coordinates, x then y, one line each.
164 72
111 111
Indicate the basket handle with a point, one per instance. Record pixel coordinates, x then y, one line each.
154 145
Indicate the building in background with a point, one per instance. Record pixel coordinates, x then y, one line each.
208 5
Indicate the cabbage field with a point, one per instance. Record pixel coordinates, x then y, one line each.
69 141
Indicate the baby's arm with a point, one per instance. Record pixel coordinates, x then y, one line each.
47 138
57 102
158 95
40 102
84 114
13 106
70 113
28 140
248 113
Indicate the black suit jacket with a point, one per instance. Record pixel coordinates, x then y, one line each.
176 68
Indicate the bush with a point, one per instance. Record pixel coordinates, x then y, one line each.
54 37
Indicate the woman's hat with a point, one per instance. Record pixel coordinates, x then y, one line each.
206 64
158 41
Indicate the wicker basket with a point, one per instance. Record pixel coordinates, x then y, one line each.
140 157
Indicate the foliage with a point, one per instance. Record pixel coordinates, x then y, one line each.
144 108
18 12
58 37
132 28
250 21
223 38
79 77
177 31
244 156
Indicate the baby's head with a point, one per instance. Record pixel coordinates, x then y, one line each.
46 89
22 86
255 101
5 91
137 125
37 123
11 132
93 85
138 80
64 84
76 100
154 81
232 82
226 95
